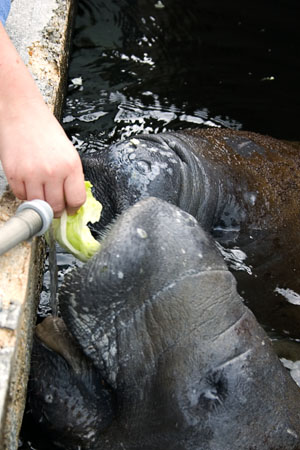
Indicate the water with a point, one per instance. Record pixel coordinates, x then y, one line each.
53 271
138 66
150 66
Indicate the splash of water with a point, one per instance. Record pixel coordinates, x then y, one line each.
235 258
53 272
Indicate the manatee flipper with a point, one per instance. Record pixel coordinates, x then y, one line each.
158 314
66 395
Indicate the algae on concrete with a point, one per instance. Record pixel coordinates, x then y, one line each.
40 30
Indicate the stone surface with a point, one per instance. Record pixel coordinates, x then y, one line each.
40 30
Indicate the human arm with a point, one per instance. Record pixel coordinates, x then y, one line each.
38 159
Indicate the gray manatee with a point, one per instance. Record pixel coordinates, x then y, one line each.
158 350
155 348
242 187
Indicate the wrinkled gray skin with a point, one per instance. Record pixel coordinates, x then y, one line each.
158 350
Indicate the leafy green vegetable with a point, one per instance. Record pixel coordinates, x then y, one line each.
72 232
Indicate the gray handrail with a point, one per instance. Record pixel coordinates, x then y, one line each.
32 218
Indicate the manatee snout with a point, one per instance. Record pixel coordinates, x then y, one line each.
161 352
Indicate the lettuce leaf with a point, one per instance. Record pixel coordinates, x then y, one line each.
72 232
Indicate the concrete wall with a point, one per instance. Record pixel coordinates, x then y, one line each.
40 30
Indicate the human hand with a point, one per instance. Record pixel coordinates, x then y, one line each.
39 160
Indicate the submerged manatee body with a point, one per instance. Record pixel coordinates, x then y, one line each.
155 348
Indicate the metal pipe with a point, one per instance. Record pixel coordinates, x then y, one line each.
32 218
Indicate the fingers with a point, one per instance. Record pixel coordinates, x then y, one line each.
74 189
52 192
54 195
62 186
18 189
61 194
34 190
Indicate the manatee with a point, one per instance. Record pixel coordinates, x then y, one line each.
156 350
242 187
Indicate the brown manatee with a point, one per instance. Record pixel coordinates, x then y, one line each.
158 350
242 187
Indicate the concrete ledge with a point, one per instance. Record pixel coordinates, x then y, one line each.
40 30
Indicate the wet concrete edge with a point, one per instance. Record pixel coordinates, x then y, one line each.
41 31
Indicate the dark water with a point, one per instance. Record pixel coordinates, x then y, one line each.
151 66
189 63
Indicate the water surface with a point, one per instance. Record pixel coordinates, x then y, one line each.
149 66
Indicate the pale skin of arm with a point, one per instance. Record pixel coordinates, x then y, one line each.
38 159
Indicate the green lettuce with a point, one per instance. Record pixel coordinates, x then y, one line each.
72 232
